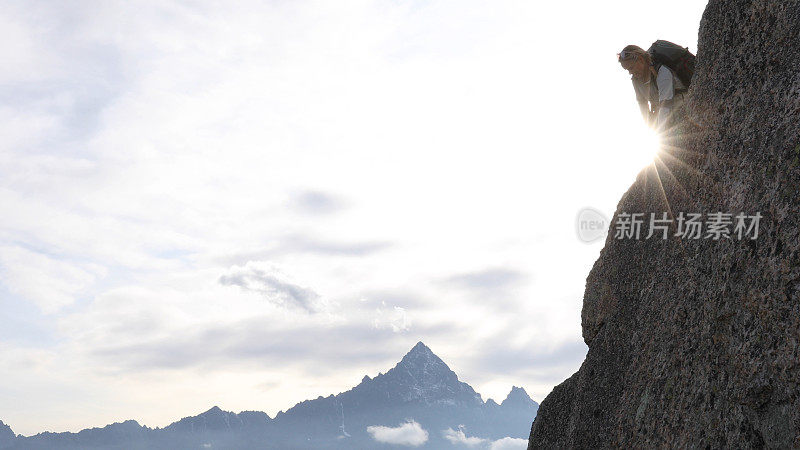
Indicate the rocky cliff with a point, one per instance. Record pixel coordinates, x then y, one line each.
694 342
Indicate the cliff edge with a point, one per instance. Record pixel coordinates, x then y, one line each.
694 342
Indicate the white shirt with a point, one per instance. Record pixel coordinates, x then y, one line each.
664 90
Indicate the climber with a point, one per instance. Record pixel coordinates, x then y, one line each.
660 78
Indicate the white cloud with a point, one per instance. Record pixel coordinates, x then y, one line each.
395 318
458 437
46 281
509 443
410 434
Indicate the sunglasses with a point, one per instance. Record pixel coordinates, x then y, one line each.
625 56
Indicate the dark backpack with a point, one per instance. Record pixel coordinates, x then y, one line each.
679 59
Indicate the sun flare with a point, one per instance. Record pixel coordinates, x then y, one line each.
650 145
643 148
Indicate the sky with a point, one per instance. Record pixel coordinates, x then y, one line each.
250 204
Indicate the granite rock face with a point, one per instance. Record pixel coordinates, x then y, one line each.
694 342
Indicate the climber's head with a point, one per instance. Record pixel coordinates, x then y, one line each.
636 61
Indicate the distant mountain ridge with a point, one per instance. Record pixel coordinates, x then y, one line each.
420 388
7 436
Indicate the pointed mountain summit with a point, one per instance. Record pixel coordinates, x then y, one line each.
420 349
519 399
423 362
420 376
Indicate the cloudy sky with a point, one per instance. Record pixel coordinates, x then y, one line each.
248 204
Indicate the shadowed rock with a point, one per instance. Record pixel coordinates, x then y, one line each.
694 343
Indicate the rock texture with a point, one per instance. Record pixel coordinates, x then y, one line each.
694 343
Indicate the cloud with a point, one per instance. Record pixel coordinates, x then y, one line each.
296 244
409 434
509 443
316 203
488 279
310 342
273 285
458 437
534 356
502 286
395 319
44 280
400 296
301 244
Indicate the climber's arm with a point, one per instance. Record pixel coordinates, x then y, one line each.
644 107
642 100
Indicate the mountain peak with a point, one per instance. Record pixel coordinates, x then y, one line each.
518 398
517 392
420 376
420 353
420 347
421 362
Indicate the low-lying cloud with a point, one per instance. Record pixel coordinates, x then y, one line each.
410 434
509 443
458 437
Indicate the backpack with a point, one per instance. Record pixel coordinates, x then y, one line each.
679 59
